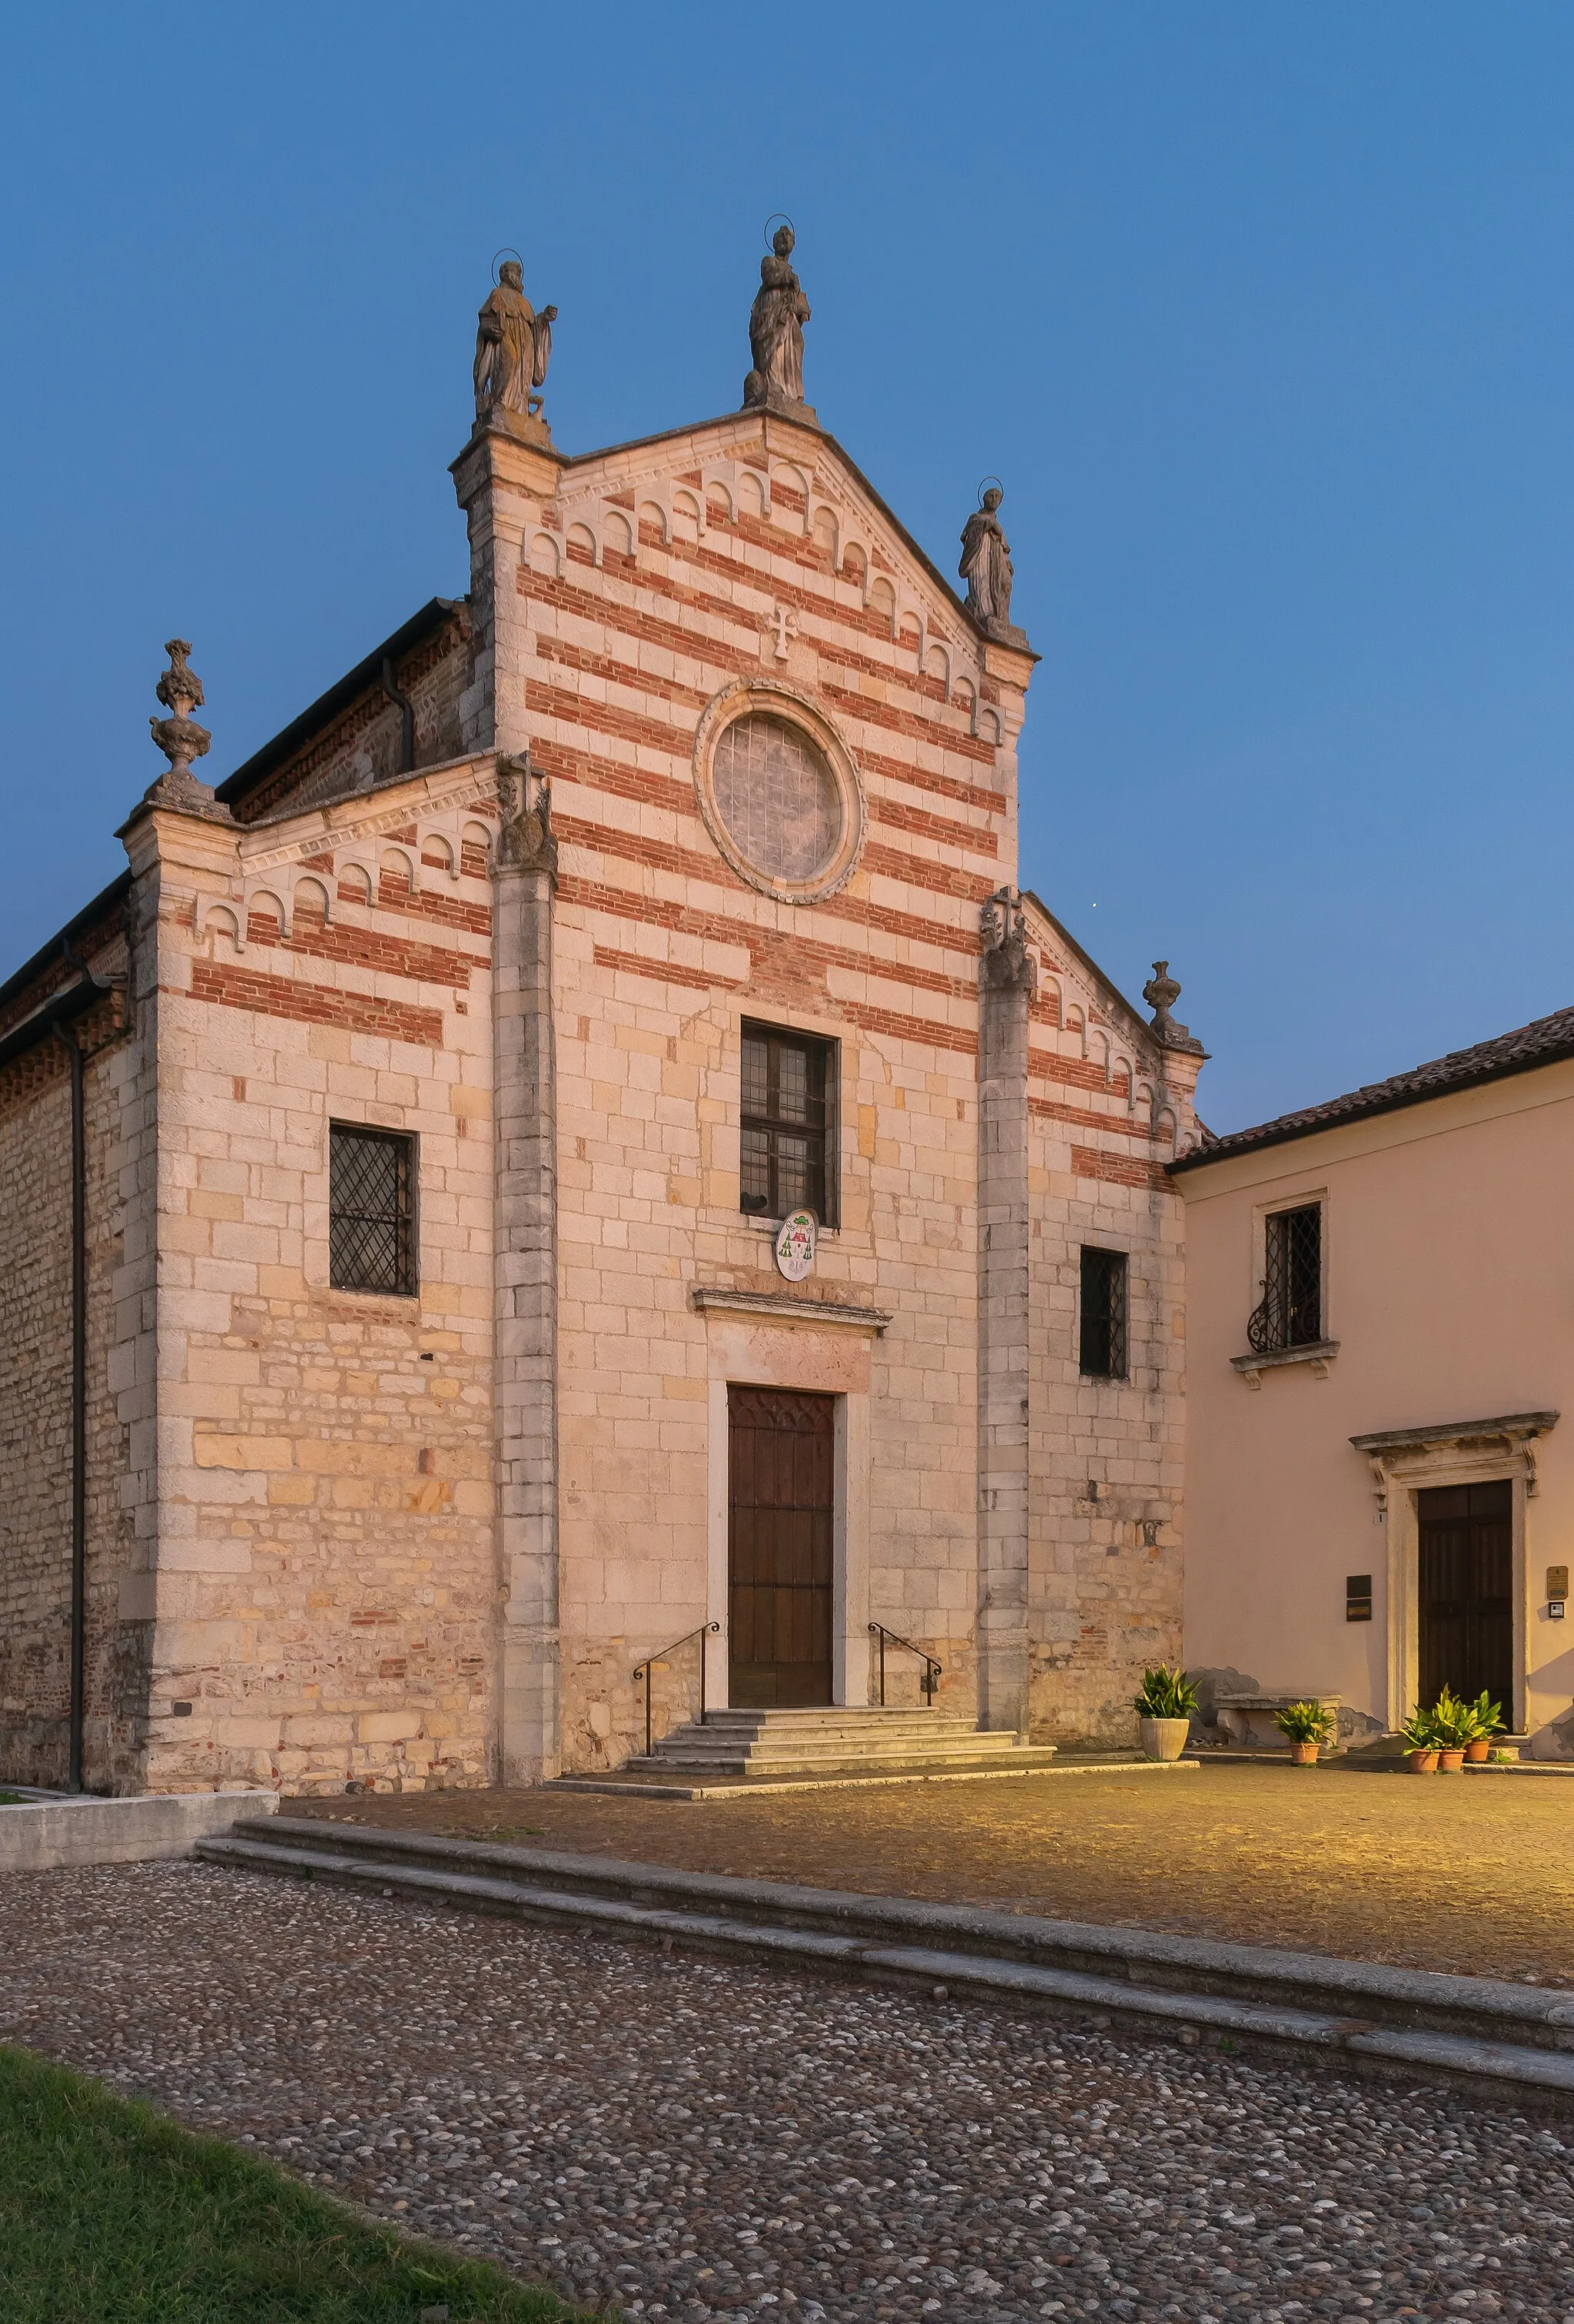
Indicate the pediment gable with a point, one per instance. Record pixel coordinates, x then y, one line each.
810 500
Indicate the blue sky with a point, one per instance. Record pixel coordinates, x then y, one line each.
1261 311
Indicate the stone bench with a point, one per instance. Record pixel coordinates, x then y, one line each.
1247 1719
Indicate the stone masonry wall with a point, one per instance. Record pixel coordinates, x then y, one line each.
654 579
35 1418
35 1426
1108 1456
325 1592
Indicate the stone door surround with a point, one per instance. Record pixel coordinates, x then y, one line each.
1406 1460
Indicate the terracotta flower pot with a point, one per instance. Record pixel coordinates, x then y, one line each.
1450 1762
1478 1750
1303 1755
1162 1738
1422 1763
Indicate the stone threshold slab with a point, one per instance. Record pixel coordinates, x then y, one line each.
45 1832
1352 2014
740 1787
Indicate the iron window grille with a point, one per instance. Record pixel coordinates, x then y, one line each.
371 1244
1102 1337
1290 1312
789 1109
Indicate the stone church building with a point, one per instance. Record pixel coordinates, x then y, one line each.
401 1344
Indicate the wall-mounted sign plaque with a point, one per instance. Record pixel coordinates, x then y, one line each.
794 1244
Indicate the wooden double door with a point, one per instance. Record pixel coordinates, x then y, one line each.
1466 1591
781 1494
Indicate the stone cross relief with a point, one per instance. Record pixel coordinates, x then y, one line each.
784 626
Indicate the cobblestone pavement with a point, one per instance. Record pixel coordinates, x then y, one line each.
685 2138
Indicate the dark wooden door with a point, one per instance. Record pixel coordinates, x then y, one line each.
1466 1591
781 1515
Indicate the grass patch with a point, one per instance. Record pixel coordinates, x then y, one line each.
14 1800
111 2214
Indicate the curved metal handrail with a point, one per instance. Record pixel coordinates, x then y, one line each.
928 1684
643 1670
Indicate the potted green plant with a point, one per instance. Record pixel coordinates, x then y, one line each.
1421 1750
1453 1724
1486 1721
1306 1725
1163 1712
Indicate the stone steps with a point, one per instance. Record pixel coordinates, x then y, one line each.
762 1744
1474 2031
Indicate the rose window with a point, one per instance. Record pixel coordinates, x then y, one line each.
777 797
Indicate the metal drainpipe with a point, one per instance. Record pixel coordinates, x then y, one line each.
67 1034
406 718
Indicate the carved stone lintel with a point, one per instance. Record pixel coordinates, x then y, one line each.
525 841
1004 927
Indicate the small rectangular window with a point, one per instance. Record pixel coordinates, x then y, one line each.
371 1210
1290 1313
1357 1598
788 1114
1103 1314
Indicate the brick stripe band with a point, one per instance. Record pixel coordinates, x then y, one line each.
314 1004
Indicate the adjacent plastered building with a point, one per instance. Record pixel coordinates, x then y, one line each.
1380 1492
396 1352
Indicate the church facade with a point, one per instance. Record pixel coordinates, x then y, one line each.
580 1152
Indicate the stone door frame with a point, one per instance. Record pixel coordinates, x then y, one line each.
780 1352
1405 1462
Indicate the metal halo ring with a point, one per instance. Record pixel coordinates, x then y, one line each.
505 253
984 483
778 218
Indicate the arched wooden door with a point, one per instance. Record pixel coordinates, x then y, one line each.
780 1546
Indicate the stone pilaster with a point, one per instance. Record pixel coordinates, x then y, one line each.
503 479
526 1277
179 855
1006 987
502 483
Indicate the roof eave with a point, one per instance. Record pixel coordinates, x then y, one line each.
90 914
1249 1142
346 690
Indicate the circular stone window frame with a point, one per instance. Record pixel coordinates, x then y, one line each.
761 698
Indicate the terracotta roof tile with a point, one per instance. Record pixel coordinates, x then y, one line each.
1543 1043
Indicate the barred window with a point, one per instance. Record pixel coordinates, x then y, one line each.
789 1102
1102 1351
1290 1312
371 1210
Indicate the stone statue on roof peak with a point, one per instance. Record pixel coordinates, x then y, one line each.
776 328
513 346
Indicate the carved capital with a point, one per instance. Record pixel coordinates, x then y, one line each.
1007 963
526 841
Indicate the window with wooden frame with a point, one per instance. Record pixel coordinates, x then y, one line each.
1290 1313
787 1159
372 1239
1101 1351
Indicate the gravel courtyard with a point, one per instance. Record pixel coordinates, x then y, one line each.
682 2138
